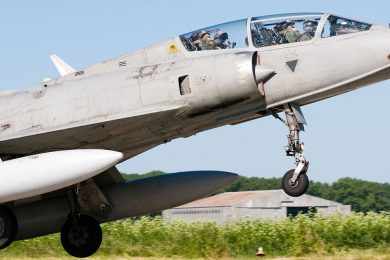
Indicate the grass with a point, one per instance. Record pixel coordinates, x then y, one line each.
370 254
350 255
357 236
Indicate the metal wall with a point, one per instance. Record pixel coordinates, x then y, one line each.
222 215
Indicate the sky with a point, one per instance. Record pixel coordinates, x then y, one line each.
347 136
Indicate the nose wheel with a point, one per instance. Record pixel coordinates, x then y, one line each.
295 182
295 185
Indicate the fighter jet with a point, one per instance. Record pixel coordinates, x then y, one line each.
60 142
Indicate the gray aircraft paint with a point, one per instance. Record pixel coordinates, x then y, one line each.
134 103
85 109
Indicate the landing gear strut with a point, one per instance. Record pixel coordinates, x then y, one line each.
8 227
81 235
295 182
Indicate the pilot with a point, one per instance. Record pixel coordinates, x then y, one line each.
194 39
221 40
310 27
206 42
290 33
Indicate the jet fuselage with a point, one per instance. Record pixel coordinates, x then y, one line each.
137 101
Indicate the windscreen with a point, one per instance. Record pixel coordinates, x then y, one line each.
336 26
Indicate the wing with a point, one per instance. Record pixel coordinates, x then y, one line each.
130 134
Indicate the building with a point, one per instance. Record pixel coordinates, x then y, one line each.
271 204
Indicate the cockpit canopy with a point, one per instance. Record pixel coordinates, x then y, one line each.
224 36
271 30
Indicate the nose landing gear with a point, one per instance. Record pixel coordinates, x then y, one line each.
295 182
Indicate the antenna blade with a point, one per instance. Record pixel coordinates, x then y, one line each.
62 67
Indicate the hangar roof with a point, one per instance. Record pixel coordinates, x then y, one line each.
260 199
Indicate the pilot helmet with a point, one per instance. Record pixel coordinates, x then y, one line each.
279 27
310 26
221 36
284 25
203 34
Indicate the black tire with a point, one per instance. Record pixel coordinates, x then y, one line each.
8 227
81 236
298 188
